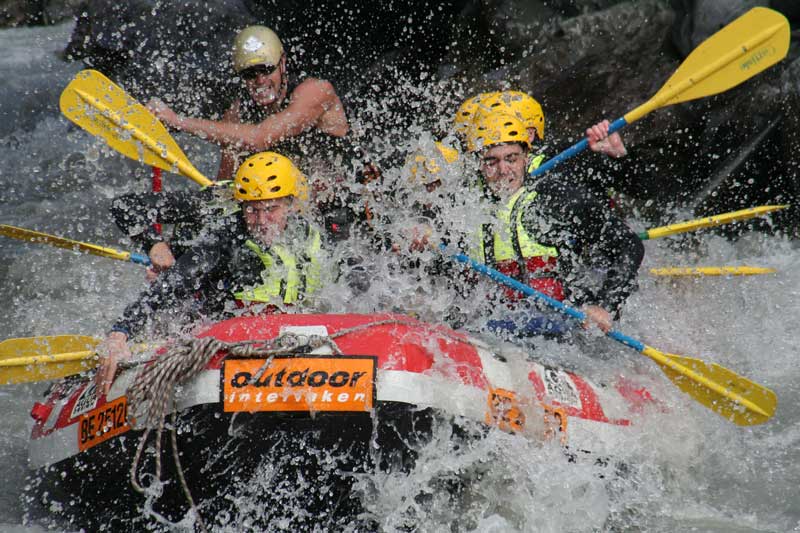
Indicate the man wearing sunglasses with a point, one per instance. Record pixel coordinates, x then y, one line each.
300 120
270 113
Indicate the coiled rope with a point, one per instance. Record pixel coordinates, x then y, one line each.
152 395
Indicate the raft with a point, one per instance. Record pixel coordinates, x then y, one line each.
312 399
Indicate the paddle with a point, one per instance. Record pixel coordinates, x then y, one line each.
102 108
43 358
60 242
748 45
51 357
715 220
711 271
736 398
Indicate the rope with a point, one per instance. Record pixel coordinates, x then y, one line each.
152 395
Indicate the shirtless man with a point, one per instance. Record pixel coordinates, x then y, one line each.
269 110
269 114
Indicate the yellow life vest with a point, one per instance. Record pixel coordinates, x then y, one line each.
510 241
535 162
285 275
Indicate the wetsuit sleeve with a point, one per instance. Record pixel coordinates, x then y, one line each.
135 213
195 271
599 255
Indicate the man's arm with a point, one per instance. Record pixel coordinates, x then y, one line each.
135 213
176 285
309 102
598 253
190 274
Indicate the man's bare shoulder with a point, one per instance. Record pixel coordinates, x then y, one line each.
313 88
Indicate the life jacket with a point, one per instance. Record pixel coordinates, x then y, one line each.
534 162
286 276
511 250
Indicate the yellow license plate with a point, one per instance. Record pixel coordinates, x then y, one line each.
103 423
303 383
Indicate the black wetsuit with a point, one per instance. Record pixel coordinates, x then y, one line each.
189 211
597 263
598 254
205 277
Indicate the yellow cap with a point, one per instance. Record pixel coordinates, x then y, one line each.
256 45
494 128
267 176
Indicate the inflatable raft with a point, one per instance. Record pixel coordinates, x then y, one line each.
318 397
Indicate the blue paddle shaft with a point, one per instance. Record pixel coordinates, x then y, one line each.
529 291
139 259
576 148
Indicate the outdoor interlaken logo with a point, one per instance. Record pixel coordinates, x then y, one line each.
308 383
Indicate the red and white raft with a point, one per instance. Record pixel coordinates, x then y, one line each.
375 378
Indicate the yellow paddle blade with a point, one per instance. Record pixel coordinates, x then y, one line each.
45 367
736 398
23 234
102 108
748 45
711 271
43 358
715 220
46 345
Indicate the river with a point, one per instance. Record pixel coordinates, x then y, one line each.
688 470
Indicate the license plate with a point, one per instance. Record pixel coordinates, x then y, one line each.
103 423
301 383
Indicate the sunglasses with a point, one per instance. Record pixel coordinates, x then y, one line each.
249 74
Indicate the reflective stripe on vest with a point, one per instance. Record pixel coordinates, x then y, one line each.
285 275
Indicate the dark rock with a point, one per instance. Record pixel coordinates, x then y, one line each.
697 20
176 50
572 8
36 12
180 51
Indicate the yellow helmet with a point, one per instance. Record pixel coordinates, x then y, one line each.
269 175
466 112
256 45
519 104
495 128
425 170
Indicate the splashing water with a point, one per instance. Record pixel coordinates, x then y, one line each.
677 471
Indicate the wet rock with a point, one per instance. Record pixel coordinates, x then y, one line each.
697 20
175 50
599 65
747 134
180 51
36 12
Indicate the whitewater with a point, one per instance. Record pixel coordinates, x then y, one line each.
687 469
